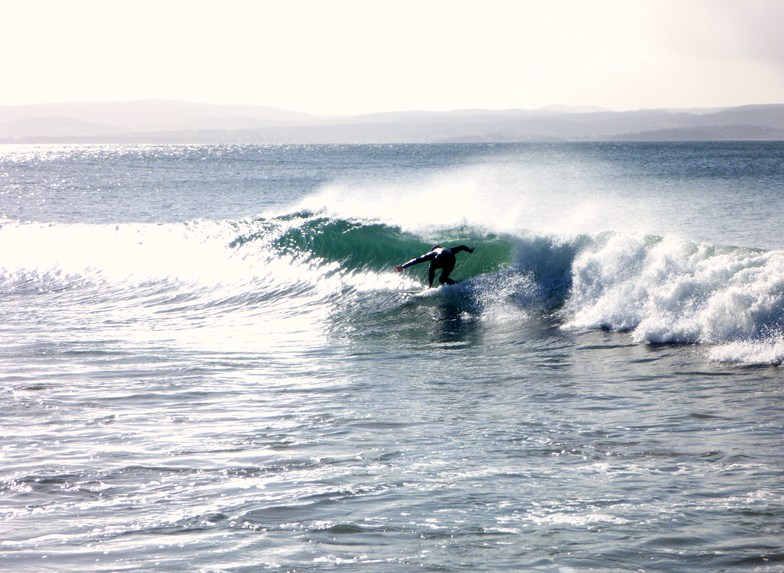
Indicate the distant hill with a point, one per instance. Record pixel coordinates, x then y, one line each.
126 118
709 133
165 121
54 127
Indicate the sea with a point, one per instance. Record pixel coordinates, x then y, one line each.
208 363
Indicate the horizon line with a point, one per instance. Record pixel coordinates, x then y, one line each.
566 108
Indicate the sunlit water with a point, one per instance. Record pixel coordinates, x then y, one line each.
207 363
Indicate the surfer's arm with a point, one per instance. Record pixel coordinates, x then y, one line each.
459 248
426 257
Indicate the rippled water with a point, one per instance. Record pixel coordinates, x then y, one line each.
221 387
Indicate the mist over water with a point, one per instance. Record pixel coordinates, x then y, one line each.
575 189
208 363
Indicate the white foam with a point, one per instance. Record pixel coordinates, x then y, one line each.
128 252
674 291
769 352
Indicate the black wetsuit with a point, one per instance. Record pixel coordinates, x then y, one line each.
440 258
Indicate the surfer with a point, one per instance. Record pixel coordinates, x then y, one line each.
440 258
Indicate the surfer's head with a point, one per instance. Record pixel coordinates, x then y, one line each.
436 247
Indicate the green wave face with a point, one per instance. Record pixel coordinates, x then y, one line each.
361 246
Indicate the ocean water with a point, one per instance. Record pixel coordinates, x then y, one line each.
207 362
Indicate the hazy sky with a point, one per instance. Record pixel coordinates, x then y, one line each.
357 56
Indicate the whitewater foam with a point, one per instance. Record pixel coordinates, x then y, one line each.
668 290
768 352
120 253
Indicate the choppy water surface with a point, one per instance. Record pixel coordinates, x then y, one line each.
206 362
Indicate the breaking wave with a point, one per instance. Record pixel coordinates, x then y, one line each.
659 290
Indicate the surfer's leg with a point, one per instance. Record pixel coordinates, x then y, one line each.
431 274
444 278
